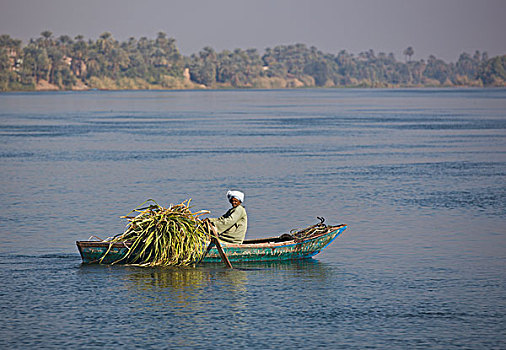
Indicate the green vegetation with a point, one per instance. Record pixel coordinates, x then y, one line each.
161 236
63 63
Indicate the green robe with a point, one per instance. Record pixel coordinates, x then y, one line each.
232 225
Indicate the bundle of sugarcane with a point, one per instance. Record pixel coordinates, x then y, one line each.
159 236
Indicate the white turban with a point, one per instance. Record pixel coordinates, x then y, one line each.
235 194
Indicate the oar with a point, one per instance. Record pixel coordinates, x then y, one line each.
215 240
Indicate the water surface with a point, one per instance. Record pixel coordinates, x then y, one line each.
418 175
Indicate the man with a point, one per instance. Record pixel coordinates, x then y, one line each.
232 225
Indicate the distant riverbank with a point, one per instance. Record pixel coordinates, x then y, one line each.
50 64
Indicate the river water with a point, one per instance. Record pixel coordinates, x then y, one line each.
419 177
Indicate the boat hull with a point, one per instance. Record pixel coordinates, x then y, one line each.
273 249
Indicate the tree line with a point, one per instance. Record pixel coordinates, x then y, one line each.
65 63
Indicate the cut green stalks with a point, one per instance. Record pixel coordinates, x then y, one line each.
159 236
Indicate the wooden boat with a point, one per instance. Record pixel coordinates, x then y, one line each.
284 247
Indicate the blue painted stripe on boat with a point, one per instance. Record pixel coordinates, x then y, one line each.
341 230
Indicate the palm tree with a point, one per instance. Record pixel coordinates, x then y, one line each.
46 34
409 52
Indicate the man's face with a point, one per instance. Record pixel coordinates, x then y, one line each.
235 202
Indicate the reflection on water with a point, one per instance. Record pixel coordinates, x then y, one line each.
207 285
188 283
183 287
312 268
182 301
176 278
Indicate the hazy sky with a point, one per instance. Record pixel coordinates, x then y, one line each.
444 28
